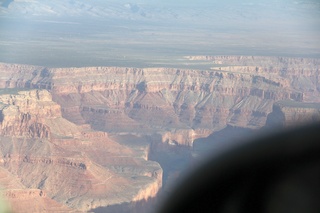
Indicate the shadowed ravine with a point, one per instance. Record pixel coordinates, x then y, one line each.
176 160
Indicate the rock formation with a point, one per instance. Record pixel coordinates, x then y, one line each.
55 122
180 104
291 113
20 200
61 166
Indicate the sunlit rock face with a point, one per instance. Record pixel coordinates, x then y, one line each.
60 166
180 104
25 114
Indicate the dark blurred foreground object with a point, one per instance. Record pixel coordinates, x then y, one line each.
277 173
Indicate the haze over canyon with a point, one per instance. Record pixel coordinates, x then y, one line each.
104 104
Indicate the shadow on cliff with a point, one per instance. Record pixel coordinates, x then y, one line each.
173 161
166 154
143 206
228 136
172 158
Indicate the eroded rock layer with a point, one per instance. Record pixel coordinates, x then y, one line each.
61 166
54 143
180 104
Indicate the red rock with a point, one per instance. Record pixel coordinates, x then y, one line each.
62 147
77 168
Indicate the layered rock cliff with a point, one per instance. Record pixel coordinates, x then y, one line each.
61 166
291 113
300 74
25 113
180 104
62 148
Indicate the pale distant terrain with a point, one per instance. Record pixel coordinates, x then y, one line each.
103 104
149 33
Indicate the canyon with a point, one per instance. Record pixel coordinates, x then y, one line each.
65 167
80 138
105 104
181 105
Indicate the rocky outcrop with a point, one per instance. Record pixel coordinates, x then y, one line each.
75 167
151 190
26 113
15 197
182 137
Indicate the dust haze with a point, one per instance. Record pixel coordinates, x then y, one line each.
104 104
153 33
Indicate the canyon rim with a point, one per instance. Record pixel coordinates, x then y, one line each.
105 103
77 143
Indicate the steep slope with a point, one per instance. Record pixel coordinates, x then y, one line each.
33 200
73 165
180 104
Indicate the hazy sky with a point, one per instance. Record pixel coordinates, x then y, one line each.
98 32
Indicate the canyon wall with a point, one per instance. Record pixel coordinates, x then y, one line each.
55 122
24 114
291 113
60 166
180 104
